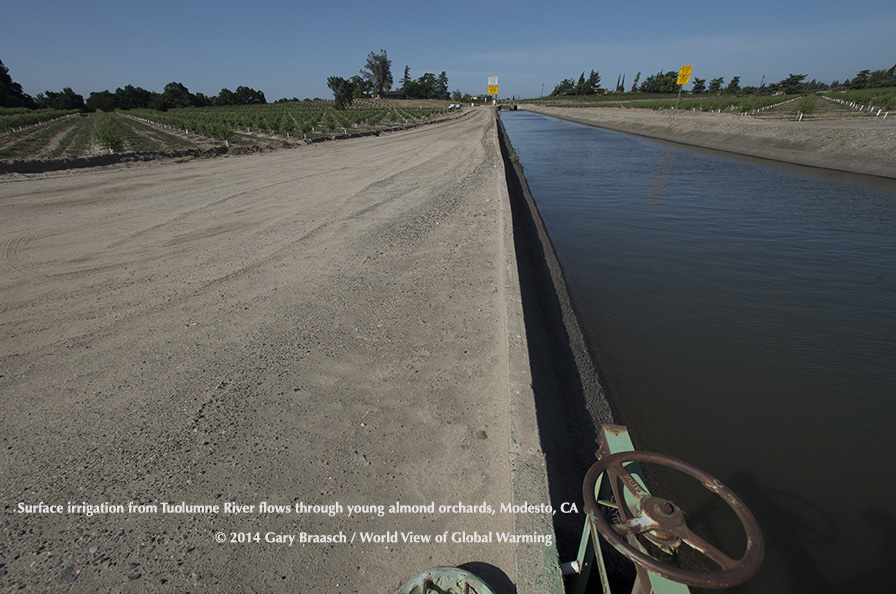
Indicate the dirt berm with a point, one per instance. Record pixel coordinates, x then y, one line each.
865 146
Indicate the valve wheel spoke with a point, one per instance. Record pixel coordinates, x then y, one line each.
703 547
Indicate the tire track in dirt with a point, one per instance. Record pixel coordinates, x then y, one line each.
14 260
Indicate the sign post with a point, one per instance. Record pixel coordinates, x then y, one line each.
493 87
684 77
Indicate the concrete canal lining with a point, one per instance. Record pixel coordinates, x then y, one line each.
556 409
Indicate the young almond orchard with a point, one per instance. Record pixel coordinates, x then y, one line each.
53 134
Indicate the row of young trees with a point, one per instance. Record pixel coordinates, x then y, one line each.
666 82
173 96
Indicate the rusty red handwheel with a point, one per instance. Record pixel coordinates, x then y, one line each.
662 519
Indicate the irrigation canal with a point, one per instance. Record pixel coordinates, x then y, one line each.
743 316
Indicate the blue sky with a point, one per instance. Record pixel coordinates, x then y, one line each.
288 49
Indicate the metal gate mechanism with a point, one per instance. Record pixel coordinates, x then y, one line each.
615 486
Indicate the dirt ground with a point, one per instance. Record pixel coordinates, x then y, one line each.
316 326
857 146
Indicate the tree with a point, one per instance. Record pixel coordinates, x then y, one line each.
715 85
11 94
177 95
585 86
699 85
427 86
378 70
131 97
565 87
441 90
660 83
588 86
102 100
225 97
67 99
247 96
201 100
861 80
362 88
343 91
635 84
107 133
733 87
793 84
406 79
593 83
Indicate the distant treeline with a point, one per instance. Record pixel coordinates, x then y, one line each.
665 82
130 97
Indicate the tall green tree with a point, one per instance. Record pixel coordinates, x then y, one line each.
861 80
661 82
177 95
620 83
442 86
343 91
226 97
11 94
793 84
715 85
378 70
247 96
584 86
362 88
588 86
131 97
699 85
567 86
733 87
102 100
406 79
67 99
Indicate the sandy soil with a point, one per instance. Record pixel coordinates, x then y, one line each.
857 146
318 325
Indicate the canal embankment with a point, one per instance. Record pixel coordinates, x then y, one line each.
570 403
855 146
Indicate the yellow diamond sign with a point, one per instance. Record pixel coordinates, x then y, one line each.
684 75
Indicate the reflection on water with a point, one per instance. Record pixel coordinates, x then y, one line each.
654 198
743 315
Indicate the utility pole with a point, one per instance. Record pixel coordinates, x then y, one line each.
542 91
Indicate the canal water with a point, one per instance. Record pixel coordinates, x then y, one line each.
743 316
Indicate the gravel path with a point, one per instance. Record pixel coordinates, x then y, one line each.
318 325
856 146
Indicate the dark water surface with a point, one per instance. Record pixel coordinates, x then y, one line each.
743 315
